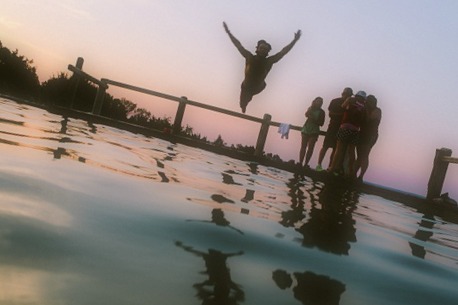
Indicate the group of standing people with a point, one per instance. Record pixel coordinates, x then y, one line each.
351 133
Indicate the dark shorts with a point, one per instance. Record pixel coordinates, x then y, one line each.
348 136
310 136
252 88
330 139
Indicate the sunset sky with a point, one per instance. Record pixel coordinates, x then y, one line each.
402 51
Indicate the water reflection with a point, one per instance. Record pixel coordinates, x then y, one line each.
63 128
228 179
329 225
249 195
116 240
221 199
424 233
219 219
331 228
218 288
310 288
253 168
294 216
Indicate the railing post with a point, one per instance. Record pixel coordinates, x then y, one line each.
262 137
99 97
76 81
437 178
179 115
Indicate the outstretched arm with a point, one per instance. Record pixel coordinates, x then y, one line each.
245 53
275 58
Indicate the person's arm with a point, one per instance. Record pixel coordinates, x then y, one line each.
321 118
245 53
308 112
275 58
347 102
377 115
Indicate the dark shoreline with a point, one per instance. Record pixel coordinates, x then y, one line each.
449 213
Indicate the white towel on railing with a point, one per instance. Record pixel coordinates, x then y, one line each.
283 129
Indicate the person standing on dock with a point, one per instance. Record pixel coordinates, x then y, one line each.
257 66
335 115
348 134
311 130
368 135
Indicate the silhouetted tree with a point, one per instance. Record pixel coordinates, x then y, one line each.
219 141
56 90
61 91
85 95
141 116
17 75
118 109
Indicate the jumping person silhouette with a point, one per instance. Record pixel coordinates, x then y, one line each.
257 66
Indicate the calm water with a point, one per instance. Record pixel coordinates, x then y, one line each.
94 215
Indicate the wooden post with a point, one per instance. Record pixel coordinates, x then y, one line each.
262 137
437 178
179 115
76 81
99 97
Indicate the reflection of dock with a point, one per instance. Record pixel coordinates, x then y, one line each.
436 181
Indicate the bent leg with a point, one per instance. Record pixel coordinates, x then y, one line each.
363 163
248 91
245 97
351 160
338 156
322 153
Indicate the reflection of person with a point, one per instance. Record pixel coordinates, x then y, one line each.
311 288
225 291
368 135
219 219
335 115
257 66
330 226
311 130
347 136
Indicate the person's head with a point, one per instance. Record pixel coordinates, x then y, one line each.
317 102
360 96
347 92
263 48
371 102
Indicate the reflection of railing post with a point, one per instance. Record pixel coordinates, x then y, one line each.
99 97
76 81
179 115
437 178
262 137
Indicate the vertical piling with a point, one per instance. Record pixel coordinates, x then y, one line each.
437 178
262 137
179 115
76 81
99 97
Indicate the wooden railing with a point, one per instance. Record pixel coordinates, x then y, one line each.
183 102
442 159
